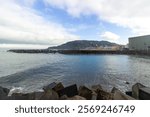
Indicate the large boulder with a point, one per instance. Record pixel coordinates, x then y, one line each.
58 87
35 95
85 92
104 95
144 93
70 91
101 94
54 86
49 95
96 87
3 92
49 86
118 95
135 90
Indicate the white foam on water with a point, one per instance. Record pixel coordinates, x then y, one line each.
15 90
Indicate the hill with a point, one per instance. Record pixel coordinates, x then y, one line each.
83 44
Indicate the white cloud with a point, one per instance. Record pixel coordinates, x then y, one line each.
110 36
24 25
133 14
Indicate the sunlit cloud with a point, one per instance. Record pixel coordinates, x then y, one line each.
109 36
132 14
24 25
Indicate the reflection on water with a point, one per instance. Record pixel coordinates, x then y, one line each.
32 71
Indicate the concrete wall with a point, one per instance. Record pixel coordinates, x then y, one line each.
139 43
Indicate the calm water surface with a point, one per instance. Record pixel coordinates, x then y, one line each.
33 71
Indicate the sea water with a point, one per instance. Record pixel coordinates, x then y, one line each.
30 72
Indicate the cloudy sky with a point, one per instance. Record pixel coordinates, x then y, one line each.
53 22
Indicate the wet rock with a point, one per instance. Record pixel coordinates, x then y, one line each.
104 95
49 95
101 94
70 91
129 93
85 92
96 87
49 86
58 87
35 95
18 96
76 97
144 93
3 92
54 86
118 95
135 90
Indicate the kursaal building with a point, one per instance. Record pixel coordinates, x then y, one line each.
140 43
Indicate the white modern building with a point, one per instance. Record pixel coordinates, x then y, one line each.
139 43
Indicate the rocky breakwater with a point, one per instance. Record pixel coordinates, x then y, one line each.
56 91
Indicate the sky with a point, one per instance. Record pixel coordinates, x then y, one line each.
43 23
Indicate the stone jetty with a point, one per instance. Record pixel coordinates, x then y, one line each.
57 91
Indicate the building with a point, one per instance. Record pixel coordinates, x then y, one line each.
140 43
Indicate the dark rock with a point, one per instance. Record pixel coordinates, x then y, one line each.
49 95
3 92
144 93
54 86
104 95
85 92
58 87
70 91
118 95
35 95
129 93
19 96
76 97
135 90
50 86
101 94
96 88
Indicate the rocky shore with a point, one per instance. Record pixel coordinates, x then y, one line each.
56 91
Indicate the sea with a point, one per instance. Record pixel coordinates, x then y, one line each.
30 72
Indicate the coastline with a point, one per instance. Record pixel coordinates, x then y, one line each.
56 91
46 51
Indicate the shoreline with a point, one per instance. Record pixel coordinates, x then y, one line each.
46 51
57 91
